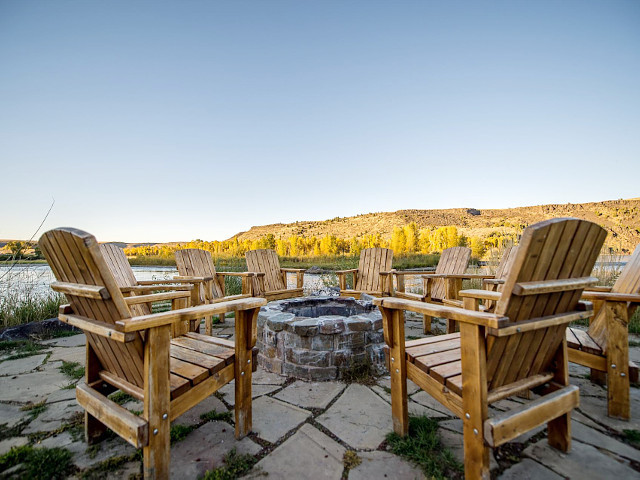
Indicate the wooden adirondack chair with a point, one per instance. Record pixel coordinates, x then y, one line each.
604 347
373 275
196 265
495 284
137 355
519 347
139 297
270 280
444 283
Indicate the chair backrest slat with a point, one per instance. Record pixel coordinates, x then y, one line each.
122 272
74 256
627 282
554 249
453 261
372 262
266 261
193 262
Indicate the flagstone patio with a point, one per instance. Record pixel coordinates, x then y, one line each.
301 429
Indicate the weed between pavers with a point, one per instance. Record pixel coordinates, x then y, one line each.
423 447
362 372
73 370
120 397
38 463
351 459
21 349
35 409
213 416
632 437
180 432
234 466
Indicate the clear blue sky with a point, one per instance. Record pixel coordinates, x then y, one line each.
167 121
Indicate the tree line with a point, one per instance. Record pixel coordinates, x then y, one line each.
404 240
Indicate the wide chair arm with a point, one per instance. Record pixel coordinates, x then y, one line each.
188 278
299 275
144 322
236 274
156 297
611 297
489 320
480 294
144 289
342 277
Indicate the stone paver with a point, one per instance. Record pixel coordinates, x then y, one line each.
385 382
69 354
453 441
64 440
264 377
229 391
9 443
583 461
596 407
384 465
10 415
114 447
62 395
53 417
72 341
204 449
21 365
597 439
31 387
527 469
272 419
359 417
310 394
192 417
309 453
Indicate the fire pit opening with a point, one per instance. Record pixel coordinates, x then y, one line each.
318 338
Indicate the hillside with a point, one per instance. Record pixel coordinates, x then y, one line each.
621 218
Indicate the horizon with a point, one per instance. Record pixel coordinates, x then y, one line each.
317 220
194 120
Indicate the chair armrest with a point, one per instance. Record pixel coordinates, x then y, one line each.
463 276
412 272
343 272
611 297
155 297
489 320
148 288
94 326
599 288
236 274
293 270
481 294
493 281
256 274
190 278
390 272
145 322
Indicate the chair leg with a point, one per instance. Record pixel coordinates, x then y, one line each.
94 429
157 402
617 360
598 377
208 325
243 369
474 401
426 324
559 429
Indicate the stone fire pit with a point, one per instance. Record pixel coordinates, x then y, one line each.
317 338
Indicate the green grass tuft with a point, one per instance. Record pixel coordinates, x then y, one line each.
423 447
121 398
38 463
632 437
234 467
73 370
35 409
180 432
213 416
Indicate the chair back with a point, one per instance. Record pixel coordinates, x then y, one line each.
75 258
122 273
453 261
193 262
627 282
550 270
372 262
266 261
